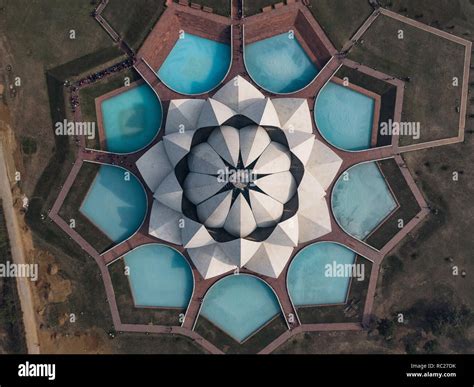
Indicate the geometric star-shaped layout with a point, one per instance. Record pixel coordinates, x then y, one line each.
240 179
241 194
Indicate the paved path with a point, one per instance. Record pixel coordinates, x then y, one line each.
211 348
283 338
18 256
361 31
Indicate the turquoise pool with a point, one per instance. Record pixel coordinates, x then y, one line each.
131 119
279 64
116 206
362 201
240 305
195 65
308 283
159 277
344 117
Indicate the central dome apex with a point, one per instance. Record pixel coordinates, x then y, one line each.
232 179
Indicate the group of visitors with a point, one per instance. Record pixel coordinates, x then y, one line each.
97 76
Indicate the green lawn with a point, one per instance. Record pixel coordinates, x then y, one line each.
41 29
430 62
340 19
133 20
453 15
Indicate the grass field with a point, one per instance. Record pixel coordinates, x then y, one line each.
340 19
129 20
35 45
455 16
12 334
430 62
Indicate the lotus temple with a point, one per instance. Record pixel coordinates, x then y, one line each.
240 190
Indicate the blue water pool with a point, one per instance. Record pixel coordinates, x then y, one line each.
310 279
116 203
279 64
195 65
344 117
240 305
361 199
131 119
159 276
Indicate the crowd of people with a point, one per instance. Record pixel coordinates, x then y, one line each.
74 88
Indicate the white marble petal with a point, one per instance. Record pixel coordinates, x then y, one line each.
204 159
225 141
199 187
183 114
280 186
275 158
213 212
240 221
210 260
170 192
164 223
266 210
154 165
238 94
253 141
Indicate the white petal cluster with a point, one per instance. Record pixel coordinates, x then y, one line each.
259 203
